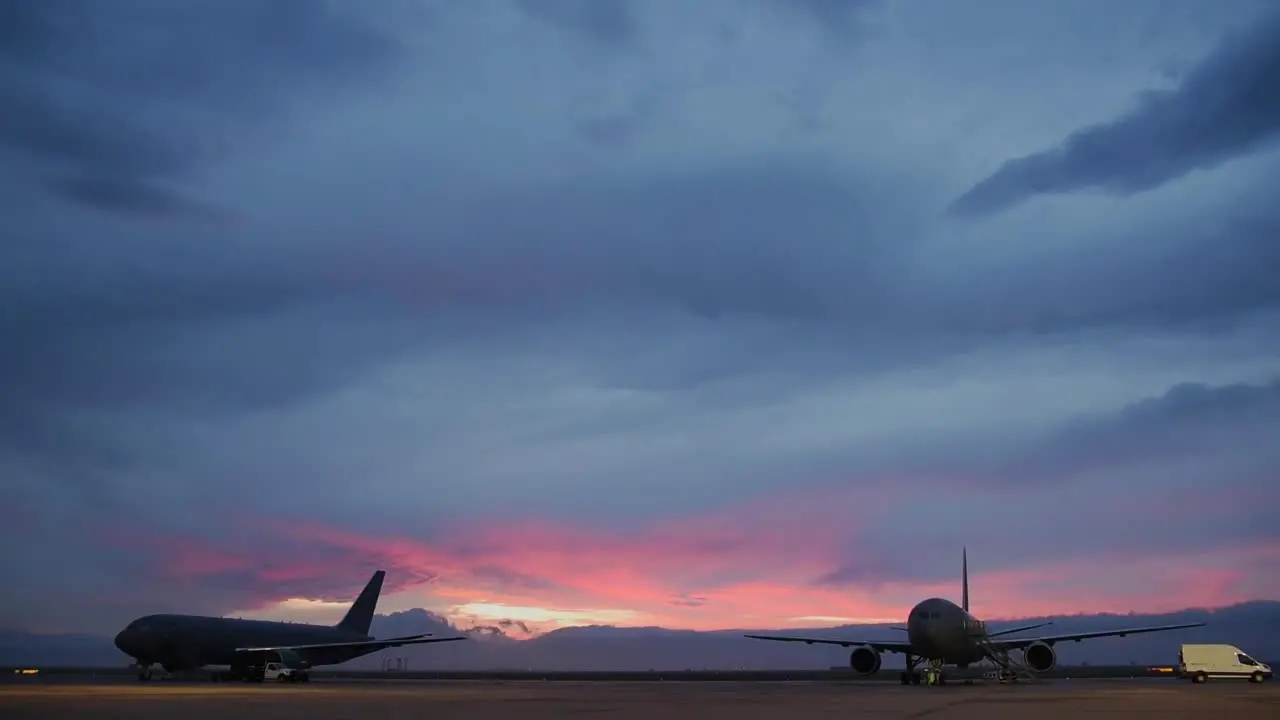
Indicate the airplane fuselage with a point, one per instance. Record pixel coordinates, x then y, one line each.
942 630
185 642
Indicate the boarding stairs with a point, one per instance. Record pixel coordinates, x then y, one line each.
1006 668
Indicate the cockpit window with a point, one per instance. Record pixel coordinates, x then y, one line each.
1245 659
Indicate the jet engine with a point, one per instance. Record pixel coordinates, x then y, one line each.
1040 657
865 660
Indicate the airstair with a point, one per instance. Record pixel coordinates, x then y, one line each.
1006 668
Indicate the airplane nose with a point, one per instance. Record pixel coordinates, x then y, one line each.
125 641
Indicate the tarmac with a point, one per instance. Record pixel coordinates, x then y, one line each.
22 698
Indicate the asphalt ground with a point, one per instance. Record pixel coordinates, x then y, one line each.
535 700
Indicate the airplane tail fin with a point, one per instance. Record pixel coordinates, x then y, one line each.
964 578
360 616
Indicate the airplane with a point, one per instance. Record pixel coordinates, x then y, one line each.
942 633
189 642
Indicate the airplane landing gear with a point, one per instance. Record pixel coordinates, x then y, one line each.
932 675
910 676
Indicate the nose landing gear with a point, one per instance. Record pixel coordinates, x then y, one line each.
910 676
932 675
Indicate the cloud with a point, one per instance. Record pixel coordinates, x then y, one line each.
1100 470
607 21
835 16
1187 421
568 328
838 550
490 569
1220 110
113 130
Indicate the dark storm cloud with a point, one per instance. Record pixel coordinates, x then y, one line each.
768 237
1189 419
1209 448
240 572
114 108
201 329
693 323
838 16
1224 108
170 341
128 196
610 22
120 102
812 242
1202 275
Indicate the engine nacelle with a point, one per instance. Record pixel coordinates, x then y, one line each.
865 660
1040 657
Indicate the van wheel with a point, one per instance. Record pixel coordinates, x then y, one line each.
1200 678
1256 677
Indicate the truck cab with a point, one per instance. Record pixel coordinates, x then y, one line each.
1200 663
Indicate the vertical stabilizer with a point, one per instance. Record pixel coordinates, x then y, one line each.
360 616
964 578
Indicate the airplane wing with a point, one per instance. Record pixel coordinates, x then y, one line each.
366 644
1011 631
1016 643
900 646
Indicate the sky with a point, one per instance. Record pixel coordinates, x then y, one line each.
732 314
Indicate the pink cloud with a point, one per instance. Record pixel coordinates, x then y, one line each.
1120 582
748 566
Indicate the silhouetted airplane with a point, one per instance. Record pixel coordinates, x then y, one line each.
943 633
189 642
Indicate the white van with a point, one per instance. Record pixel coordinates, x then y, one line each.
1201 662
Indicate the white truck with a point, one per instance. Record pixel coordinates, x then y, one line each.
279 672
263 665
1199 663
